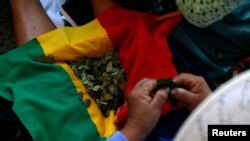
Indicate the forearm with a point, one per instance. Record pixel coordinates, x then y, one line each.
100 5
30 20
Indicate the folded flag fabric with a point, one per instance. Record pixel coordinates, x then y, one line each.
142 47
47 96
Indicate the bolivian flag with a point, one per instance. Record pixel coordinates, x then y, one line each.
48 97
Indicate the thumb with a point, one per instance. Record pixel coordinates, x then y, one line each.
160 98
182 95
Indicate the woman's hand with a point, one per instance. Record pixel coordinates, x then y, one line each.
196 89
144 110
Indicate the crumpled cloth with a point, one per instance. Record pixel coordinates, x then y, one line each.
143 51
52 8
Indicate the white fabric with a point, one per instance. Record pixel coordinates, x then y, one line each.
52 8
200 13
203 13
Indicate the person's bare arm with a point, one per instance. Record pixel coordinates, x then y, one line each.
100 5
30 20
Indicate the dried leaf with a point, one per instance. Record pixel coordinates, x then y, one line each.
104 80
87 102
109 67
97 88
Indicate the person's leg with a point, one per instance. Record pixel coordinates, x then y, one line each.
100 5
30 20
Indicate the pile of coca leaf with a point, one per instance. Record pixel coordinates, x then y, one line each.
104 79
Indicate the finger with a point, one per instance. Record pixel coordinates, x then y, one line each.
145 82
141 82
183 95
147 98
160 98
188 80
183 78
147 85
143 89
139 87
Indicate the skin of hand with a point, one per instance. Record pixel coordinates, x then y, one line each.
196 90
143 110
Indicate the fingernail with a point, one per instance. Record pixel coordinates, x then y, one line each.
167 90
174 80
173 92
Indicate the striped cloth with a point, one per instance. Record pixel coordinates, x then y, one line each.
47 96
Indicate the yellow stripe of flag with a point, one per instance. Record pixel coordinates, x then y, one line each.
71 43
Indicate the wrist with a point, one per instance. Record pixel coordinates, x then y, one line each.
132 133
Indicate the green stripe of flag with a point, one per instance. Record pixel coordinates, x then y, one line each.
44 98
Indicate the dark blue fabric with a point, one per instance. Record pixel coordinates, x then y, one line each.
187 61
222 44
165 139
209 52
168 125
11 128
